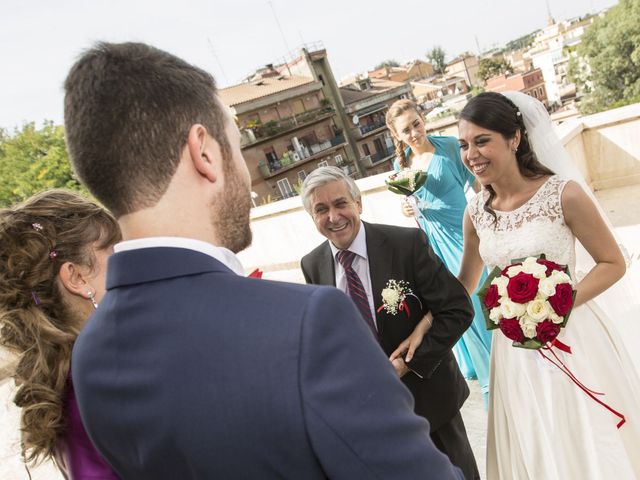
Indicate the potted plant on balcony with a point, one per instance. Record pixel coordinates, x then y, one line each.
264 168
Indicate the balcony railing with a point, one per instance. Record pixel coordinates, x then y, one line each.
256 132
364 129
370 160
286 162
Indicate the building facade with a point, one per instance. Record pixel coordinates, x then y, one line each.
532 83
366 102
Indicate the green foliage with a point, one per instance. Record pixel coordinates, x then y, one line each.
436 57
33 160
492 67
388 63
521 42
476 90
610 49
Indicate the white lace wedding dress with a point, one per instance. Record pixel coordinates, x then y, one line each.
542 426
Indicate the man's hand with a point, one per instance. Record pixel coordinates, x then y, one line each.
400 366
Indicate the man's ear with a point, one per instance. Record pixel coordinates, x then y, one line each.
204 152
73 280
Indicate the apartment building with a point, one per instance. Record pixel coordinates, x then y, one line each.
366 102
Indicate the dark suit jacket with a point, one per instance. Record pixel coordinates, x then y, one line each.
188 371
404 254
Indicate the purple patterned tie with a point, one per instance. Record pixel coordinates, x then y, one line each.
355 289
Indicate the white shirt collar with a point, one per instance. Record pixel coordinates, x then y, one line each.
223 255
358 246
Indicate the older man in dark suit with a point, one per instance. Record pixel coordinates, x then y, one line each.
361 258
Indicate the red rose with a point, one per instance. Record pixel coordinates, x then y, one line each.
551 266
511 329
504 270
547 331
563 299
523 287
492 297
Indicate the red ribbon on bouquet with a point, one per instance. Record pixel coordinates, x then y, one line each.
564 369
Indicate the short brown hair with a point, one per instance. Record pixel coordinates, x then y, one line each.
128 109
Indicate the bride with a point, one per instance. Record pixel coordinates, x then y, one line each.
542 425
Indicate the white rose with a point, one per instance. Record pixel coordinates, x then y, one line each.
531 266
512 309
560 277
495 315
501 282
547 287
553 316
513 271
390 296
537 310
528 326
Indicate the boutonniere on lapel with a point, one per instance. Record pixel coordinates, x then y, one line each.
394 297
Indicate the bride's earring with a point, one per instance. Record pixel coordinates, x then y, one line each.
92 297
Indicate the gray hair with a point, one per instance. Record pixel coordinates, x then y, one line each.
319 178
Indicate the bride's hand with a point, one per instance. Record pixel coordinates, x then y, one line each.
413 341
407 208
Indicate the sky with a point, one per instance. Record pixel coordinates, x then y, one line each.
40 39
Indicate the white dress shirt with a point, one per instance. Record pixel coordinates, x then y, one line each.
223 255
360 265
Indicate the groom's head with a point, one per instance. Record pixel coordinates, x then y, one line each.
128 113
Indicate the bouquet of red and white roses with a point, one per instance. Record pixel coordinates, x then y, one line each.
529 301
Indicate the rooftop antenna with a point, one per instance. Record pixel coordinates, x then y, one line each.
215 55
279 26
549 17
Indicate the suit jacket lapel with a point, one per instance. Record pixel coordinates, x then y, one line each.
326 267
380 267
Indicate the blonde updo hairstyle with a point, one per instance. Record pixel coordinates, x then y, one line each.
395 110
36 238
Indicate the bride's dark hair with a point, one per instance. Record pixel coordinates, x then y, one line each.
496 112
36 323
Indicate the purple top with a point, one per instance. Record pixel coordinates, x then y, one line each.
77 457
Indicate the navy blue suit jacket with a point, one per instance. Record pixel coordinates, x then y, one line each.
188 371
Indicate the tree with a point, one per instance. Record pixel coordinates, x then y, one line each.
436 56
492 67
33 160
521 42
611 50
388 63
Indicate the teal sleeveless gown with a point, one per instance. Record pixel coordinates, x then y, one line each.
441 202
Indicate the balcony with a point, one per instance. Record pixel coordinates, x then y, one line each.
286 163
370 161
258 132
369 129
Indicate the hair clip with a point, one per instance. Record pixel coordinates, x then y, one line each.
37 227
35 297
518 113
53 254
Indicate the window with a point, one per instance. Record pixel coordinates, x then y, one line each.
302 175
323 163
338 159
365 149
285 188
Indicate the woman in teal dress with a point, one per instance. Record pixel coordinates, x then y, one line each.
441 203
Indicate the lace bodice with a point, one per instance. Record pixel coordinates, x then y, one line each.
536 227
